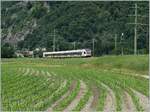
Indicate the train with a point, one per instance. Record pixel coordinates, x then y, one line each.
68 53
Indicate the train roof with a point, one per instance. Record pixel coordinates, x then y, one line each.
68 51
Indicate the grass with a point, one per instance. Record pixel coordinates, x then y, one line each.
34 92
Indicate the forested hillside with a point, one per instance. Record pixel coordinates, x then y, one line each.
31 24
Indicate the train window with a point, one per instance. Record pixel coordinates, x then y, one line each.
84 52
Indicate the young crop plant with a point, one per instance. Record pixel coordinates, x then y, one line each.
68 100
53 97
83 101
102 98
37 84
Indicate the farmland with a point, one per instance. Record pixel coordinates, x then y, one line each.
108 83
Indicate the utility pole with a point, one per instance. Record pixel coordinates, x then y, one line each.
136 25
135 31
116 43
93 41
122 44
74 45
54 41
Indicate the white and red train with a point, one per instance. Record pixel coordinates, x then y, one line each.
69 53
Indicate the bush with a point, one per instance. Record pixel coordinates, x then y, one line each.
142 51
38 53
7 51
38 11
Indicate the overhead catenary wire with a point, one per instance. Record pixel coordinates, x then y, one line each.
136 23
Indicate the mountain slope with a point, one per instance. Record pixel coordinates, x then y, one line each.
32 24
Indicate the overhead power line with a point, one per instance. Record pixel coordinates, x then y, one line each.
138 16
136 24
139 24
93 41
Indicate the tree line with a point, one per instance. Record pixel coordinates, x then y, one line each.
78 23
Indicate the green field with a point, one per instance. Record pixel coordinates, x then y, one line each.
108 83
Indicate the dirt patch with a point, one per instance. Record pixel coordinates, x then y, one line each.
23 70
32 72
72 87
37 73
48 74
95 97
80 95
143 100
20 69
47 65
110 102
62 86
42 72
126 72
87 107
128 105
27 71
54 74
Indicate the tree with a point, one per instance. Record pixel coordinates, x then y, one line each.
7 51
78 22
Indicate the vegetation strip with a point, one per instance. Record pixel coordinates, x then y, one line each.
127 73
96 96
72 87
26 96
63 104
37 93
143 100
54 97
110 100
77 99
87 107
44 102
128 105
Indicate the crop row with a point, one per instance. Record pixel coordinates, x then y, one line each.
28 93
